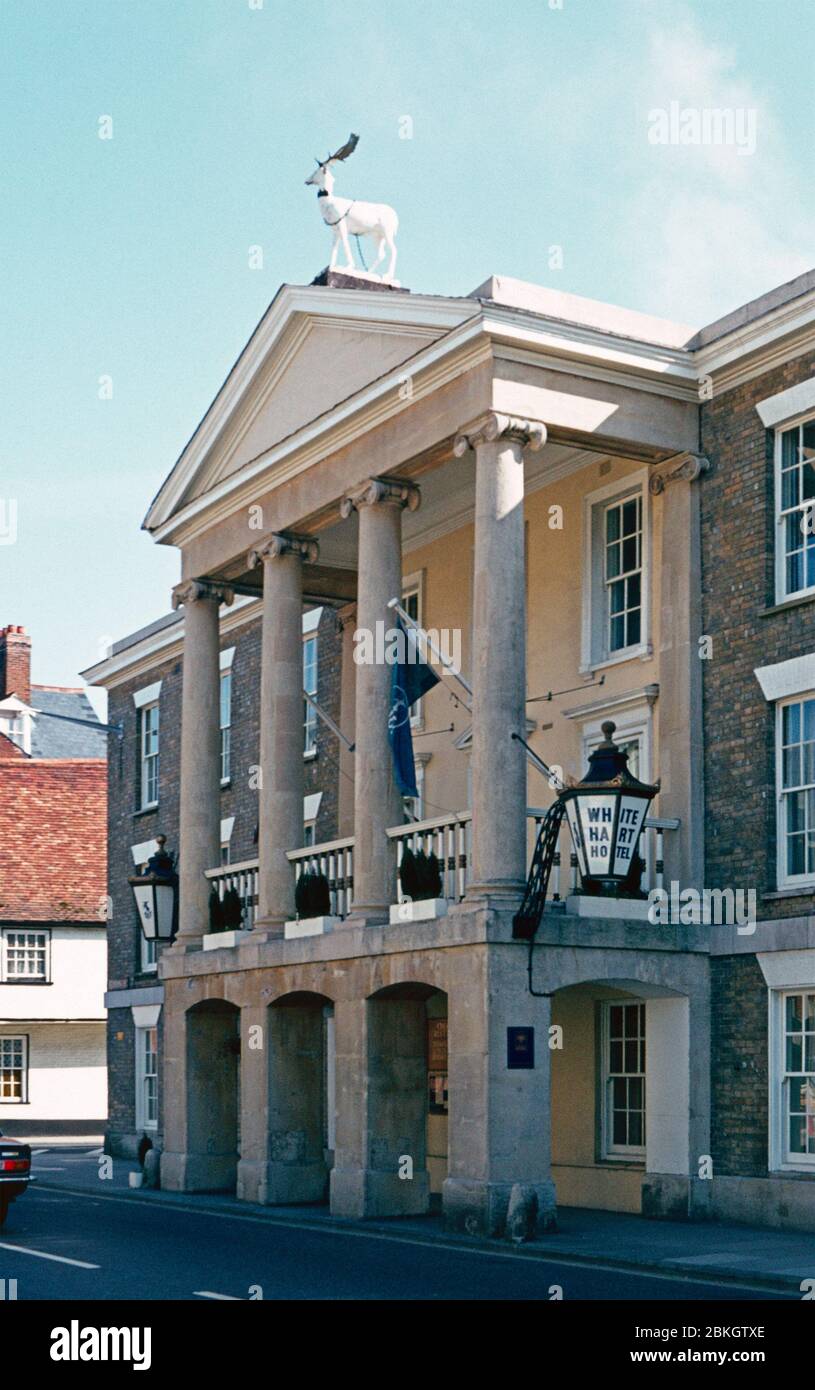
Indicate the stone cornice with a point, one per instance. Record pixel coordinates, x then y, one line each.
493 425
282 543
691 467
195 590
392 492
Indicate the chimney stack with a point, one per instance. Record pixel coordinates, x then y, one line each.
15 663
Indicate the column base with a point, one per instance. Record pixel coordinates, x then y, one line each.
185 945
358 1193
267 929
479 1208
506 894
367 917
280 1184
183 1172
675 1197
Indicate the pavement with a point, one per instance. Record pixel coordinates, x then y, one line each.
731 1256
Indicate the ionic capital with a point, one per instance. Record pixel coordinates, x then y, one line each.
491 426
284 543
196 590
392 492
691 467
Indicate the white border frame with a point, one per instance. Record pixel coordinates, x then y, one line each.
777 1162
608 1154
5 978
782 878
807 418
618 490
142 1123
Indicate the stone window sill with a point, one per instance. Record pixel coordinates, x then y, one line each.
807 891
146 810
785 604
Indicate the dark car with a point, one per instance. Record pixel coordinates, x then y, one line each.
15 1172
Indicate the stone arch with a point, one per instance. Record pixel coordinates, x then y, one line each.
406 1145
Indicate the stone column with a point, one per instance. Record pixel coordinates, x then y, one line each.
280 795
199 838
681 758
498 867
377 803
500 1117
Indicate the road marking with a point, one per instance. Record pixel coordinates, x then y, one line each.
41 1255
207 1293
42 1169
552 1256
34 1152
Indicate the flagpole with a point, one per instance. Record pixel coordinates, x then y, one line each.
443 662
326 718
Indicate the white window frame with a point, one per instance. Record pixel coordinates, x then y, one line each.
611 1152
225 729
5 975
146 803
141 1036
15 723
310 717
596 654
784 879
780 1159
781 594
21 1038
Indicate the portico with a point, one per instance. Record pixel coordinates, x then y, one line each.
318 478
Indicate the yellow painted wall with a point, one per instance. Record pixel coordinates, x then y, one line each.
555 566
581 1181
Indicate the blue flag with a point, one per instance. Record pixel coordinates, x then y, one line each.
410 680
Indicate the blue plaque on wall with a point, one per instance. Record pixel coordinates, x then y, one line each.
520 1048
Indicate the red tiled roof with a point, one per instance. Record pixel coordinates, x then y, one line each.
53 839
9 749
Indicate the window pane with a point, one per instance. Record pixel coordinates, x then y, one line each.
635 1128
791 767
615 1015
794 1052
613 524
798 1132
790 488
615 1056
791 724
795 1016
630 517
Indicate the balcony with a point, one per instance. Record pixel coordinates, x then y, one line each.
448 837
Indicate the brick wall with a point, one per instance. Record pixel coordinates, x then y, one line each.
739 1082
738 539
129 826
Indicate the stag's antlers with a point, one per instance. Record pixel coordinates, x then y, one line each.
344 150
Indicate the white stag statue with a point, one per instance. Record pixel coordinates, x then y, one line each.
346 215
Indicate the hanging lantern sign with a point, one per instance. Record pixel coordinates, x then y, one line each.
606 814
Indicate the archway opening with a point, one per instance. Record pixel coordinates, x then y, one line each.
619 1087
302 1105
408 1098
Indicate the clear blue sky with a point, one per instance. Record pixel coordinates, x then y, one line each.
129 257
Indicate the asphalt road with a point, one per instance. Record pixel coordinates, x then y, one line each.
60 1246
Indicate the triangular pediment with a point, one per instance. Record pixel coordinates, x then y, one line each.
319 365
314 351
